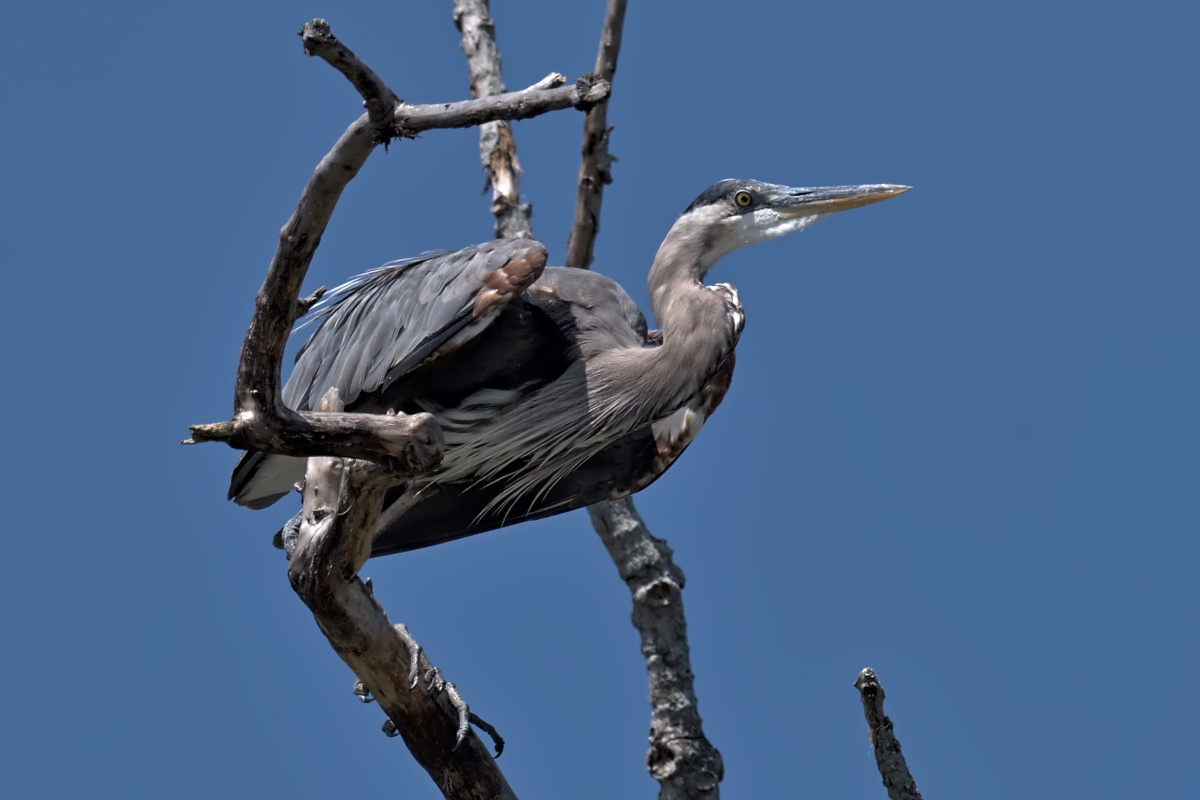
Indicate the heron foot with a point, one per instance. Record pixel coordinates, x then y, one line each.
433 683
414 657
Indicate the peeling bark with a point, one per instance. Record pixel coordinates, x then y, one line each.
497 150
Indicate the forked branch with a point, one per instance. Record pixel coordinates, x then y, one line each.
260 420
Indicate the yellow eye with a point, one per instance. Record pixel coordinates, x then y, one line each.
743 199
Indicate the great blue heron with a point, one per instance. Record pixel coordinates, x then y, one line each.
551 391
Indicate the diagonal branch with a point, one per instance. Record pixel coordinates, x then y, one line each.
888 758
260 420
377 96
342 501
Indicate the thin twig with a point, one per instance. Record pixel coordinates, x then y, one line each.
888 758
497 150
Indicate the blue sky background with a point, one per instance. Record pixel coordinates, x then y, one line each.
961 447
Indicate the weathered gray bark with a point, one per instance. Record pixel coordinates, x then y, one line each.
681 758
888 758
497 150
342 501
595 169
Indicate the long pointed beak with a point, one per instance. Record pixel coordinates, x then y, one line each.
798 202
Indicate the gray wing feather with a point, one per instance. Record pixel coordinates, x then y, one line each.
392 319
375 329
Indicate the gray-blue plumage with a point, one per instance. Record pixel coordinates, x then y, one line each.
551 392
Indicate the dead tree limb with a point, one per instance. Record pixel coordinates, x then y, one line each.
892 767
681 758
497 150
595 169
260 420
342 501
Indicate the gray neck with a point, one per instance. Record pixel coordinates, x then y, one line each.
678 267
698 334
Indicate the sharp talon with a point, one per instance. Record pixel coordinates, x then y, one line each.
414 666
362 692
389 729
464 713
437 684
414 655
483 725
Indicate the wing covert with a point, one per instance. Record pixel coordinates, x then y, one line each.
397 317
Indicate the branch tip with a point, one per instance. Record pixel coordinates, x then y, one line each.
889 759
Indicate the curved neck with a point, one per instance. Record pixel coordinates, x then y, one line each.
698 329
678 266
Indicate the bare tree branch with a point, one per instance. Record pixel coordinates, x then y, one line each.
681 759
892 766
595 170
377 96
342 501
260 420
497 150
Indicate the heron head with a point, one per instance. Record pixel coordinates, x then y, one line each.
737 213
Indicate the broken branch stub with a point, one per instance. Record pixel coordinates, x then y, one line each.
893 769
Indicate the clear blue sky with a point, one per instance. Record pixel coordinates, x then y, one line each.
961 447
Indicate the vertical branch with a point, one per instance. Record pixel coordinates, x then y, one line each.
888 758
497 150
595 169
686 765
681 758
